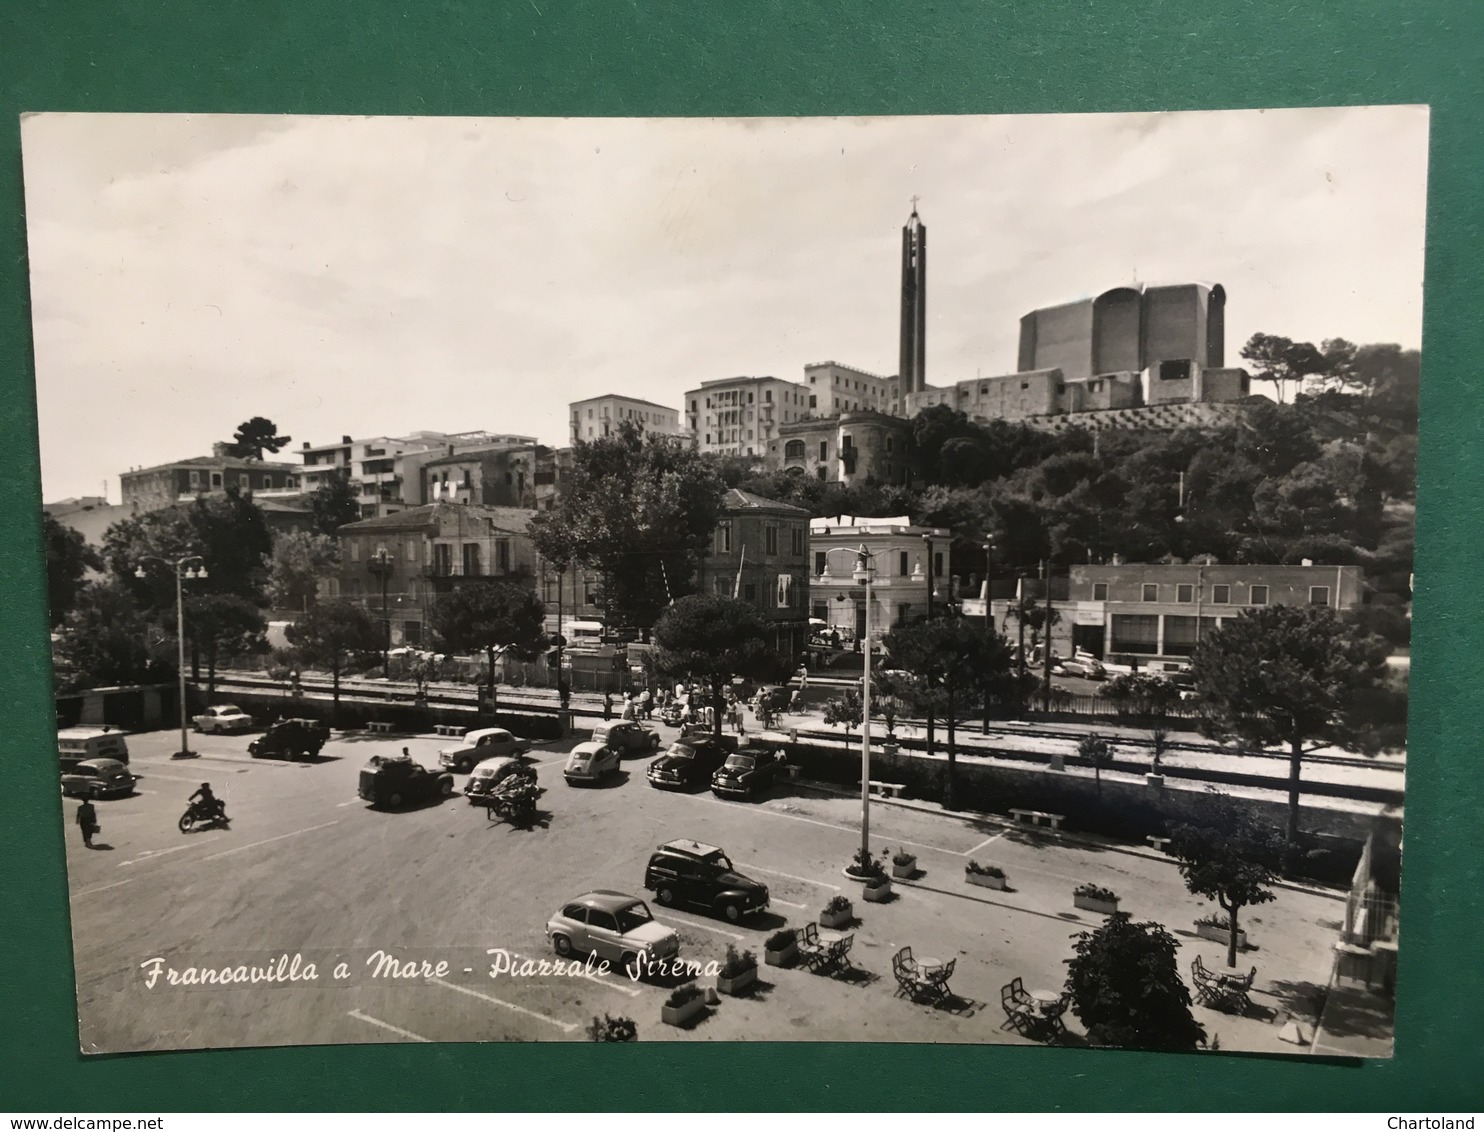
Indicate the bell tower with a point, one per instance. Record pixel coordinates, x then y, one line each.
912 364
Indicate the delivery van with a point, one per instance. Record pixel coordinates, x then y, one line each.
79 744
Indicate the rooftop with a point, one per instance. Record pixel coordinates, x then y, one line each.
736 500
246 462
626 397
511 520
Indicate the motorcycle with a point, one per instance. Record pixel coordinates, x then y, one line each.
199 816
515 802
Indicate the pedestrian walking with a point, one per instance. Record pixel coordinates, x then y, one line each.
646 704
630 710
607 706
87 821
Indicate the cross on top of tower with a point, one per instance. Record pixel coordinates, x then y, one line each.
914 205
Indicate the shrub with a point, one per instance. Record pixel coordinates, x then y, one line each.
1096 892
737 964
865 865
902 858
682 995
780 939
878 881
984 870
611 1029
1220 923
837 904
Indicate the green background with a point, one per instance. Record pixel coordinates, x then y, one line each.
545 57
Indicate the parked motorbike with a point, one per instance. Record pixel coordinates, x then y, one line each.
198 816
514 800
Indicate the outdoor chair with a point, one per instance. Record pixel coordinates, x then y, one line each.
1049 1018
904 968
838 953
811 947
1208 989
1020 1008
938 978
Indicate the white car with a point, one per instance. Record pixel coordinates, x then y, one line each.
485 743
222 718
590 762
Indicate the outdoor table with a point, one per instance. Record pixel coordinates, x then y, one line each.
828 936
1046 999
926 966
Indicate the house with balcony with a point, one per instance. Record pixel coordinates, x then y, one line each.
849 447
397 565
908 560
760 555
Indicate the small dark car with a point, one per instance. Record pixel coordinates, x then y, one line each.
396 782
290 739
745 774
687 872
688 762
627 736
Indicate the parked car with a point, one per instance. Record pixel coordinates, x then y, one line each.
1088 668
688 872
98 778
222 718
396 782
490 773
290 739
689 762
627 735
77 744
612 926
590 762
485 743
745 774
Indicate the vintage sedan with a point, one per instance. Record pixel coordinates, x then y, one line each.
745 774
613 926
222 718
688 762
490 773
626 735
98 778
290 739
485 743
590 763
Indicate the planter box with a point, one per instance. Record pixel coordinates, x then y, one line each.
786 957
904 871
837 919
878 895
1101 907
983 880
1220 935
1154 781
681 1015
737 983
890 747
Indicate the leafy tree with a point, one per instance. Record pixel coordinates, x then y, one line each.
227 532
1290 675
640 510
1227 857
300 561
494 617
105 641
333 504
330 634
68 558
235 542
713 638
958 663
1147 699
1099 752
217 623
1126 987
1281 361
846 710
254 437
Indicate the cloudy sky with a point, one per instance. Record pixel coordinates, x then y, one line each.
379 276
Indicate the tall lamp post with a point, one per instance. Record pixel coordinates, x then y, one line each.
182 571
380 564
988 615
931 581
865 571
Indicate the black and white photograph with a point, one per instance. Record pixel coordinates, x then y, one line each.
540 579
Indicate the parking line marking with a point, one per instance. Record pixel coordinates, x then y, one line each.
151 854
706 928
269 840
790 876
99 888
565 1027
982 844
785 903
356 1014
352 802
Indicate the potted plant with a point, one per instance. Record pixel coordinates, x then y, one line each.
1218 930
878 889
863 866
738 972
1095 898
985 876
903 864
611 1029
781 948
683 1004
837 913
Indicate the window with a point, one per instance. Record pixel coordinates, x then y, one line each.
589 595
724 537
796 541
821 610
411 550
904 564
903 610
1100 591
355 550
1185 593
937 564
245 481
824 449
195 479
471 560
602 920
888 444
749 592
216 479
820 472
1221 595
768 396
1174 371
502 555
1136 633
813 399
770 538
794 450
1318 595
442 559
1151 592
785 591
1258 595
819 562
845 443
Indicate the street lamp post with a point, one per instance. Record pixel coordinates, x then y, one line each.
380 564
928 541
865 571
988 615
179 568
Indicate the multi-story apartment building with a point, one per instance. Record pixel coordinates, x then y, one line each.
165 485
410 557
907 559
493 477
738 416
835 388
597 417
848 447
760 555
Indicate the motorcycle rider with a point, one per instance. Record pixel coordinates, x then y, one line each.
211 805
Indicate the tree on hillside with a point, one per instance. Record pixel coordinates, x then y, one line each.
494 618
640 510
1126 987
330 634
712 639
1228 857
958 663
106 641
1289 675
228 533
68 558
333 504
254 437
1282 362
301 560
